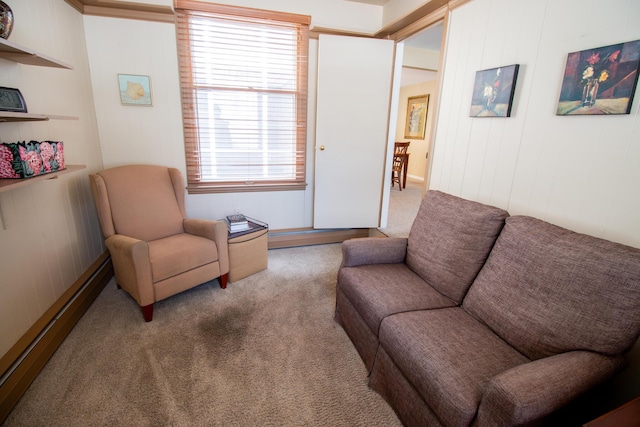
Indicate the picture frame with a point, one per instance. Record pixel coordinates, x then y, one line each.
493 91
416 121
600 81
135 89
12 100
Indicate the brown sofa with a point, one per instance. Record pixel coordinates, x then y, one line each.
481 318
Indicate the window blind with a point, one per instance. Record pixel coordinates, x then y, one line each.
243 78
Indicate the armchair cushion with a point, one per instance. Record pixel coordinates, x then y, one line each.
143 201
176 254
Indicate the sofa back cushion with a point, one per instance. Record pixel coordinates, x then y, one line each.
450 240
548 290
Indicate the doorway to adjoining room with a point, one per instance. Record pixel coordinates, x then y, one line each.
421 60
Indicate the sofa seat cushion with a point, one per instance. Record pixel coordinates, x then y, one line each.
448 357
450 240
379 290
548 290
176 254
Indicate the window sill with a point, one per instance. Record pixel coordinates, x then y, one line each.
243 188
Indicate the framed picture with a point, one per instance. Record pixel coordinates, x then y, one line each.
416 123
12 100
600 81
134 90
493 92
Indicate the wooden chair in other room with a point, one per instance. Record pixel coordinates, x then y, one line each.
399 163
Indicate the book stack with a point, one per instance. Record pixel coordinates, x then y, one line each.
237 222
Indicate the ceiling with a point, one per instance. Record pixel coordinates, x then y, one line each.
430 38
375 2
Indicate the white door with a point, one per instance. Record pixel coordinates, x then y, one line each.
354 90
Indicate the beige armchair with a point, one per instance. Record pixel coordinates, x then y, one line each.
156 251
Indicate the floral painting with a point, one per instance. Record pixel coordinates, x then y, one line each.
493 92
601 80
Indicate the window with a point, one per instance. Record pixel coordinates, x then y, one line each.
243 77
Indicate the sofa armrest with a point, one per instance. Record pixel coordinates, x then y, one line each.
373 250
212 230
132 267
533 390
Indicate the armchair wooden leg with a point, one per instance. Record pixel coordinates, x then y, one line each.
223 280
147 312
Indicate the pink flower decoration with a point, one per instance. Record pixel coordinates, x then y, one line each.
34 162
60 155
5 153
6 170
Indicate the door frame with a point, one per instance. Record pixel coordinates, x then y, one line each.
421 18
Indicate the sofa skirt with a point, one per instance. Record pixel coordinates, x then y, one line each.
387 380
365 341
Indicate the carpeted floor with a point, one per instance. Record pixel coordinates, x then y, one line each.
403 208
263 352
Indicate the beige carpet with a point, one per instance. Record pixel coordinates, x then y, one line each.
263 352
403 208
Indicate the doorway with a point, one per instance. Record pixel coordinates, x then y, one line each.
420 64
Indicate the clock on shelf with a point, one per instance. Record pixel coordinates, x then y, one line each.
12 100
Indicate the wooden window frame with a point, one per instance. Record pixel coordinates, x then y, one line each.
186 9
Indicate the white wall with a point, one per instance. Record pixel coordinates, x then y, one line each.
51 234
421 58
131 134
580 172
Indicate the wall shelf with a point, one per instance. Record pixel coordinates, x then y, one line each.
9 116
9 184
23 55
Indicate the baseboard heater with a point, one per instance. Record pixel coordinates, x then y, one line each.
24 361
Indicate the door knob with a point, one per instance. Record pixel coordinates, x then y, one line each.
322 148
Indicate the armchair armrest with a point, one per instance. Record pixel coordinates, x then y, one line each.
373 250
533 390
212 230
132 267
